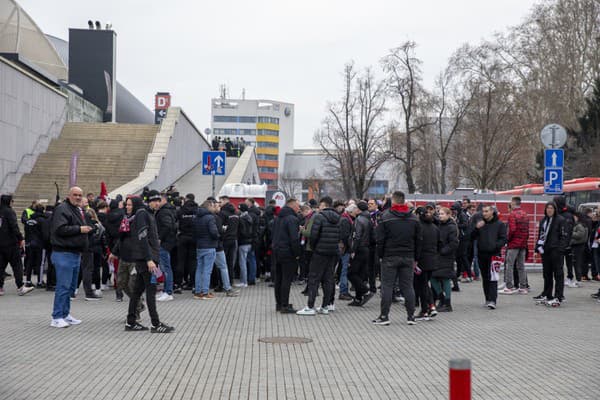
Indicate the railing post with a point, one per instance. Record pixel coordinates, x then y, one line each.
460 379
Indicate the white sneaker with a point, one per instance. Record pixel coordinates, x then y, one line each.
507 291
241 285
59 323
502 286
568 282
574 284
103 287
331 307
165 297
72 321
23 290
306 311
323 310
98 292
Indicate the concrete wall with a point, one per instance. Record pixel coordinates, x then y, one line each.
32 113
81 110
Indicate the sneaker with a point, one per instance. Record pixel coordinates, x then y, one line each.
366 298
445 308
575 284
455 289
422 316
241 285
355 303
92 297
411 321
98 293
23 290
165 297
596 278
162 328
209 296
288 310
595 295
507 291
331 307
103 287
541 297
523 291
568 281
177 290
72 321
432 311
135 327
1 291
345 297
381 320
585 278
232 293
501 286
553 302
491 305
199 296
306 311
59 323
323 310
119 299
399 299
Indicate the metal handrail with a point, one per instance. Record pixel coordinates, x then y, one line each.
35 146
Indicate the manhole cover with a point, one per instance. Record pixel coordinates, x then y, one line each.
285 340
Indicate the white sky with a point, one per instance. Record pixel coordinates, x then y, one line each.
280 50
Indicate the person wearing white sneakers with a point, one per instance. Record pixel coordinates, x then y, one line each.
69 238
518 236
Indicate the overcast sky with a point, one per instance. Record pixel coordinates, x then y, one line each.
280 50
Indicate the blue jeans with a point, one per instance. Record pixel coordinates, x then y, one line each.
205 259
243 256
221 263
165 266
251 266
476 270
66 266
344 275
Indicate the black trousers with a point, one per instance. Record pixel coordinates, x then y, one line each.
490 288
186 263
373 268
462 259
33 262
321 272
578 261
231 251
554 275
283 274
86 272
358 270
397 269
305 264
569 262
142 283
11 255
422 290
51 273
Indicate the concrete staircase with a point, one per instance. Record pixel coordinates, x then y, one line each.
113 153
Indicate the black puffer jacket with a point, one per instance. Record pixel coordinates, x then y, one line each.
286 234
398 233
325 233
557 238
447 251
10 234
243 237
429 245
346 224
186 216
491 237
65 230
34 235
206 233
113 221
166 222
363 232
231 221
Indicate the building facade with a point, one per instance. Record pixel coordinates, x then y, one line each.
267 125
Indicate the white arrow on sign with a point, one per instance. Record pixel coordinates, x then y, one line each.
219 161
162 113
554 157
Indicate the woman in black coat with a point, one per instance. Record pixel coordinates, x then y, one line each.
441 277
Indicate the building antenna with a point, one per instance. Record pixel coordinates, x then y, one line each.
244 94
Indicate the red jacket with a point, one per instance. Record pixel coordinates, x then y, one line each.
518 229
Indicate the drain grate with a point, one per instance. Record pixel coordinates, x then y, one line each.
285 340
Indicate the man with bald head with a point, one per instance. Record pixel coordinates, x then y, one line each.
69 238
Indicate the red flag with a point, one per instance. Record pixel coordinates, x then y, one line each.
103 191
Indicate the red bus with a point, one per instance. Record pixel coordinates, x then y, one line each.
577 191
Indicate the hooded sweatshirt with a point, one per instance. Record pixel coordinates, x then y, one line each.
10 235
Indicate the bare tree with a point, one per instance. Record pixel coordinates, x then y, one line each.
403 78
352 132
290 184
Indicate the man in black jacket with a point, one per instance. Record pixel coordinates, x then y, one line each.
231 222
491 236
11 245
206 236
359 254
286 249
257 232
69 236
185 272
398 236
166 222
324 240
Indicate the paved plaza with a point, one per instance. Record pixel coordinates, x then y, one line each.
519 351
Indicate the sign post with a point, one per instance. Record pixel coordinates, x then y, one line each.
213 163
553 137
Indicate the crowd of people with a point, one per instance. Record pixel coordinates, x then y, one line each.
413 255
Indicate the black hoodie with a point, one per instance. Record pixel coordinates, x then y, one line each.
286 234
325 233
141 243
186 216
429 245
231 221
398 234
491 237
10 235
166 222
34 235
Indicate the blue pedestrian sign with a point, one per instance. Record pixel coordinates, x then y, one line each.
553 181
213 163
554 158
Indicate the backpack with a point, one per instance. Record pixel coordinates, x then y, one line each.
245 227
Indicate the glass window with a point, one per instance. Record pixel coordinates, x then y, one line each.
268 120
267 170
268 157
234 118
268 132
247 132
268 144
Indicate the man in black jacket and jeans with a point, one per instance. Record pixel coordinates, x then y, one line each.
359 255
491 236
398 236
185 272
166 222
11 245
286 247
324 240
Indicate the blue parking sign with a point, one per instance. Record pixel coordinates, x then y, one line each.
553 181
213 162
554 158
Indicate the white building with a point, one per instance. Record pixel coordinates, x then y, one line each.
266 124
